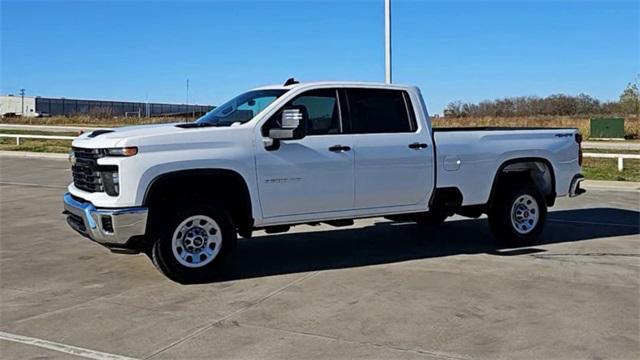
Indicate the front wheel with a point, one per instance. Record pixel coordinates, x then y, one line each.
194 243
518 215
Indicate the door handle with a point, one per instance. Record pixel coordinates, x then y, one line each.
339 148
418 146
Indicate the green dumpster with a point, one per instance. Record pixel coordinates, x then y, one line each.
607 128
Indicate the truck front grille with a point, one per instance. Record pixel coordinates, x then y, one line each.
85 171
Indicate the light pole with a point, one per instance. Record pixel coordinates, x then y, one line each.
187 107
387 41
637 97
22 96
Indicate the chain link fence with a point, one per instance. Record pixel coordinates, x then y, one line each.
73 107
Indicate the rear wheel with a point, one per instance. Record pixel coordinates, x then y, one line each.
194 243
518 215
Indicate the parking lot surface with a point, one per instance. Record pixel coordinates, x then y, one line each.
373 290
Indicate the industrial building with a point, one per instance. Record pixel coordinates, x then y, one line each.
33 106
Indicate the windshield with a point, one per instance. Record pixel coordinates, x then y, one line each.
240 109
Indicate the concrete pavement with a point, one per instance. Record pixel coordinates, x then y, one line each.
373 290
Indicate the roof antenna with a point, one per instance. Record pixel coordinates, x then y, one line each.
291 81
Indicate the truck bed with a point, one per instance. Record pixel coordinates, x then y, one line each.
468 158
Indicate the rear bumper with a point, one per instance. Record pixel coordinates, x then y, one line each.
574 189
109 227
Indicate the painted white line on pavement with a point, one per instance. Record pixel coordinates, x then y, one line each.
63 348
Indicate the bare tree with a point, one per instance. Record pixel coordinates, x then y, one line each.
552 105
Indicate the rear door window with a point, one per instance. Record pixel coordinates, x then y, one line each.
374 111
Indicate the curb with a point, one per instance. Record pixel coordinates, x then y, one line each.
611 185
611 145
33 155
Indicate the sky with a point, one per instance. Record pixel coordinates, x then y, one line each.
453 50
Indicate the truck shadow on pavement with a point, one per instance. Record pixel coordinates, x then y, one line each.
388 242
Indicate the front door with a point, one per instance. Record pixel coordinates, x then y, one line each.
311 175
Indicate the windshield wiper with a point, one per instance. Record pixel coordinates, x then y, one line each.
195 125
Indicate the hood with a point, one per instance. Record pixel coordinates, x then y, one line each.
111 137
128 131
141 135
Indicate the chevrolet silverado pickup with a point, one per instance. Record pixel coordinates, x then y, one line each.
307 153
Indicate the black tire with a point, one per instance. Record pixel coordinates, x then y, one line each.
431 218
500 214
166 224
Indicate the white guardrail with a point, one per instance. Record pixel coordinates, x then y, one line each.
48 128
620 157
19 137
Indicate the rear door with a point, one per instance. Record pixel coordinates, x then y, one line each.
393 152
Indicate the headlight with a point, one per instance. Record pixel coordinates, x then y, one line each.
110 179
72 158
125 151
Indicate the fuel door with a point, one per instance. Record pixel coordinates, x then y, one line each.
452 163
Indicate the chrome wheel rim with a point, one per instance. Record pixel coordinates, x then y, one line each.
196 241
525 214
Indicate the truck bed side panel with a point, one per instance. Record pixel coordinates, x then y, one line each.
469 160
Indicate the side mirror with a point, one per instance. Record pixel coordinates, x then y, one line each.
293 124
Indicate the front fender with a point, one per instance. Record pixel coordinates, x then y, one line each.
155 172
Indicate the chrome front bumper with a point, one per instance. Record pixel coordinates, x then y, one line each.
574 189
106 226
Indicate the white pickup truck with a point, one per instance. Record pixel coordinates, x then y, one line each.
307 153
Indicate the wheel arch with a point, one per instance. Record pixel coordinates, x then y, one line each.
229 185
533 167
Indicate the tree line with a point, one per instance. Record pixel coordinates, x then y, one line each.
553 105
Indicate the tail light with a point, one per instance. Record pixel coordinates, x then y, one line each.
579 141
